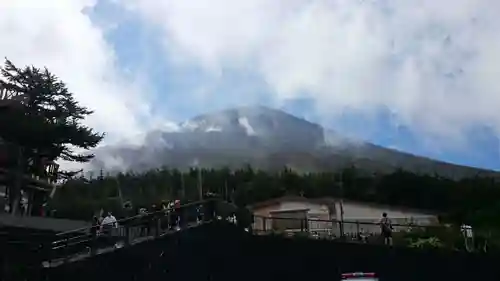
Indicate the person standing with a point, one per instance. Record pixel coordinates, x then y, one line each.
95 234
179 218
143 222
244 219
110 221
199 214
468 237
108 224
386 229
210 207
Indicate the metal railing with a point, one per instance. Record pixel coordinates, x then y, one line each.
85 242
351 231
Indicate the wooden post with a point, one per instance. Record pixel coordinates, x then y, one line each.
15 190
127 234
200 185
342 210
158 227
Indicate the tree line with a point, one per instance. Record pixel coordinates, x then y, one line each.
471 200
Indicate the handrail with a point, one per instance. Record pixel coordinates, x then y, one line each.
346 221
120 221
66 246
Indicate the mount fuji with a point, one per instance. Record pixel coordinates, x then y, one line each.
267 139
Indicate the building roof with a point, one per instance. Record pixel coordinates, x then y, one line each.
331 202
322 201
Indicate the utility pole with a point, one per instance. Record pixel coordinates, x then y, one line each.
120 195
341 188
183 190
226 197
200 184
200 187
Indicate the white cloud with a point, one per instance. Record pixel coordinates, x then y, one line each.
58 35
355 54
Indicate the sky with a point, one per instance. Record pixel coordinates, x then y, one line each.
417 75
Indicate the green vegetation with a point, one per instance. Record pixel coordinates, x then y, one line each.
473 200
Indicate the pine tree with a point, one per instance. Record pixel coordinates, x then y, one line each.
50 123
42 123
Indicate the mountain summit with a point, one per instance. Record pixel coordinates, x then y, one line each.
259 123
264 138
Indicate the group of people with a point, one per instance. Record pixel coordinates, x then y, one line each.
169 215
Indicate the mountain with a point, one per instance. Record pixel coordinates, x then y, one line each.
268 139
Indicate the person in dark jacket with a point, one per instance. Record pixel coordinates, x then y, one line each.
199 213
244 218
95 233
95 226
210 206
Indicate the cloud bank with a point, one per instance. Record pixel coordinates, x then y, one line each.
59 35
433 64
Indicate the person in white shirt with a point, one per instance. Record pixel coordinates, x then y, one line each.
109 220
107 225
468 236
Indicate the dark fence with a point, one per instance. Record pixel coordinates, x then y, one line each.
354 231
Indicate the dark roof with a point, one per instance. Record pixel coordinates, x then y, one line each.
41 223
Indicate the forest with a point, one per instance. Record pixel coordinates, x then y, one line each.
472 200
